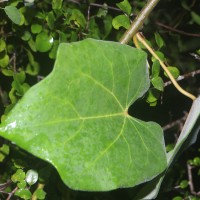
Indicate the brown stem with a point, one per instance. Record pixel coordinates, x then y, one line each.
177 31
138 21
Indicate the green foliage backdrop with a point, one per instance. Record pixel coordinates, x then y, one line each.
30 33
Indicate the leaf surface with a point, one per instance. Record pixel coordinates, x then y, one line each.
77 118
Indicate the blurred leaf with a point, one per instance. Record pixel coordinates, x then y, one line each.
2 45
4 60
183 184
26 36
18 176
57 4
36 28
158 83
152 97
155 69
21 184
53 52
102 12
107 25
23 193
125 6
43 42
174 71
51 19
40 193
121 21
13 13
4 151
195 17
31 177
160 55
196 161
159 40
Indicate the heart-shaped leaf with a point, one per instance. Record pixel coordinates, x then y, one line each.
77 118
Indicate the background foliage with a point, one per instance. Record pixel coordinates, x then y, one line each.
29 45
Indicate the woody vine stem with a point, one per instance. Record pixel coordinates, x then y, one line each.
132 31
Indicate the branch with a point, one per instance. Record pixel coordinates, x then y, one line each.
184 76
138 21
177 31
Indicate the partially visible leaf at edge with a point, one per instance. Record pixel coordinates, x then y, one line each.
13 13
77 118
187 137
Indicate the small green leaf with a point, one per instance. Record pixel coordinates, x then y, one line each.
177 198
102 12
53 52
158 83
40 193
183 184
196 161
23 193
160 55
155 69
43 42
26 36
36 28
31 177
174 71
4 60
18 176
21 184
152 97
51 19
78 18
13 13
2 45
125 6
4 151
121 21
57 4
195 17
159 40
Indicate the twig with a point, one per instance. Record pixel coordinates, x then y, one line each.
177 31
88 18
11 193
1 1
176 85
184 76
96 5
138 21
178 122
191 185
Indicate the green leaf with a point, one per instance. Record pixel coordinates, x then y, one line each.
125 6
121 21
40 193
21 184
158 83
174 71
23 193
51 19
36 28
195 17
31 177
4 151
43 42
2 45
13 13
84 129
152 97
183 184
155 69
18 176
57 4
159 41
4 60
